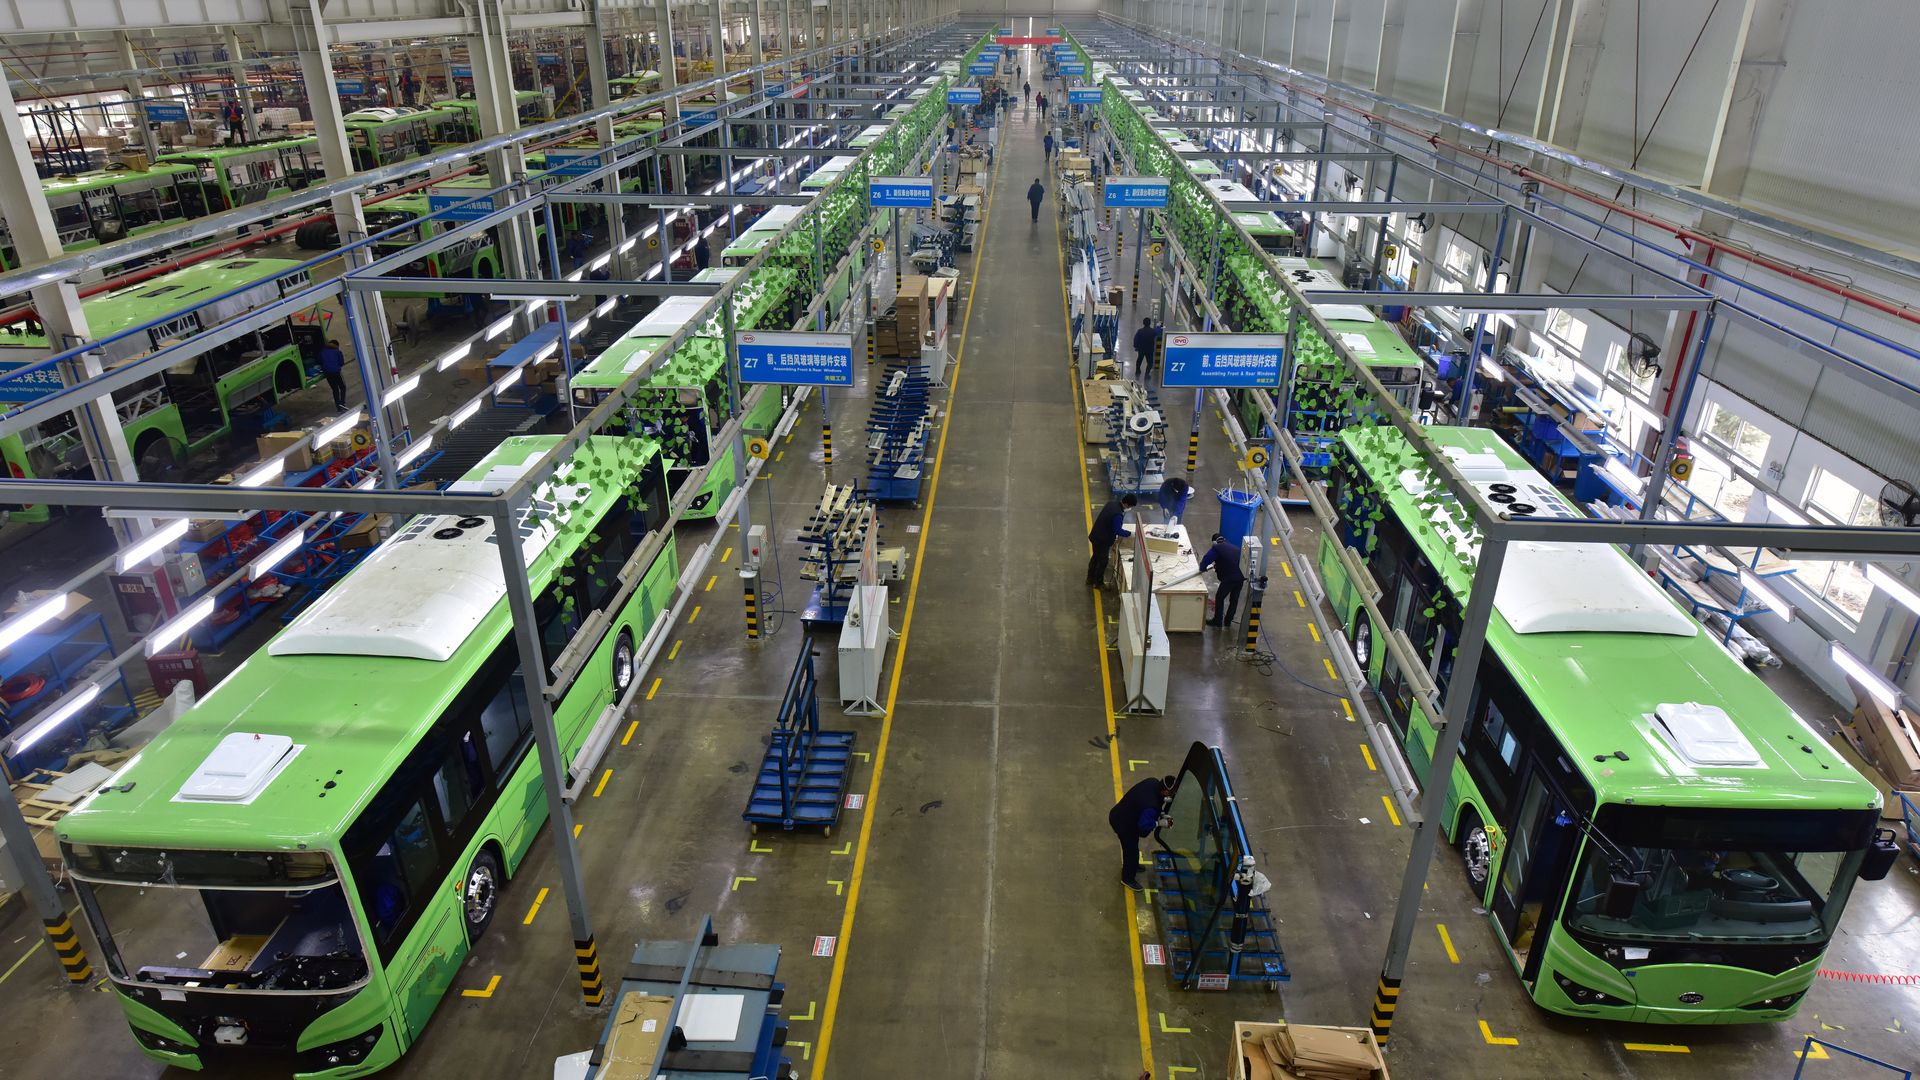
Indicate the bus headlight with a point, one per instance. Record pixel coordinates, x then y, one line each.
160 1044
345 1052
1584 995
1784 1001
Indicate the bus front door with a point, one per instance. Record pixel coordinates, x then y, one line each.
1539 854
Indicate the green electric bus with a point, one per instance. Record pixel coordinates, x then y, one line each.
683 403
174 414
243 173
94 208
1274 236
290 876
635 85
531 105
384 135
1653 834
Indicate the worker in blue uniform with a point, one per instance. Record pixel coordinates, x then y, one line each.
1224 558
1134 818
1035 195
1108 526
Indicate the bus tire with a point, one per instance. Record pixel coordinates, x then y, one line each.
155 455
286 379
321 235
622 663
1360 637
1476 850
480 893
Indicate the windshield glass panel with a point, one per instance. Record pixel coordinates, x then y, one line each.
1720 875
238 939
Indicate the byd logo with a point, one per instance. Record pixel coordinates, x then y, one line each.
746 339
1180 339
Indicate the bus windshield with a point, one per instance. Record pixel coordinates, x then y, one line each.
222 920
1722 875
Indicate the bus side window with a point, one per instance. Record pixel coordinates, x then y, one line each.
600 560
457 784
400 872
505 720
559 620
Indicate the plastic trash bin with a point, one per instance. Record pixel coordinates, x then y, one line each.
1236 512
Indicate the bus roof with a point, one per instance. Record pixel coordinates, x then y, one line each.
1605 654
390 114
356 710
231 150
617 363
55 186
159 297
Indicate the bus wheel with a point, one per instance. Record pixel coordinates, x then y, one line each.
1476 851
286 379
482 894
622 663
1362 634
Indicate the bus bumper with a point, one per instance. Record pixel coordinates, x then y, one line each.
1673 993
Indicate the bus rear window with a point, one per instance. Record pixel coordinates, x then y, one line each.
198 868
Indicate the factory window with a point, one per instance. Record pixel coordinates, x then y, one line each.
1567 330
1715 483
1840 585
1639 386
1734 434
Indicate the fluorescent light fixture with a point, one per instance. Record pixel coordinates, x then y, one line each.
1881 578
276 554
627 244
546 352
66 711
149 545
601 261
1492 370
364 485
464 413
32 619
399 390
503 382
606 305
453 356
266 473
412 453
577 274
177 627
535 304
1623 477
1758 586
1876 684
499 326
339 427
579 325
1785 511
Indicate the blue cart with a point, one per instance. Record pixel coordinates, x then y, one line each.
803 777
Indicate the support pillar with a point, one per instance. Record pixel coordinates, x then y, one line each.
236 61
137 92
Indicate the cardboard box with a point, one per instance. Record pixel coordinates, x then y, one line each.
301 458
365 534
1890 737
1260 1052
640 1023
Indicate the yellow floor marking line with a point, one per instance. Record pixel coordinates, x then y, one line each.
1132 762
577 826
806 1049
1660 1048
738 881
492 984
695 615
602 785
654 689
1348 706
1164 1029
754 846
1285 567
628 737
675 651
23 958
1106 691
727 555
863 755
808 1016
899 661
710 582
843 849
1367 752
1815 1052
1297 598
839 887
1175 1070
1331 674
1392 814
1496 1040
538 899
1315 631
1446 940
778 454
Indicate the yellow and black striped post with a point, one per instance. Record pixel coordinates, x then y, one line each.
1135 294
1253 623
753 609
826 440
1385 999
66 946
1193 449
586 957
872 342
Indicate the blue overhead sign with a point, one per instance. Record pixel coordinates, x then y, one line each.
1135 191
795 359
693 118
166 112
350 87
1072 67
901 191
573 162
1223 361
463 73
29 386
479 207
1081 95
980 69
547 58
963 95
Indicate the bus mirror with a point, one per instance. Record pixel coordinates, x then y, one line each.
1623 892
1881 853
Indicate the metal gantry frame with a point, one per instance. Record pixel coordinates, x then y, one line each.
1496 529
510 503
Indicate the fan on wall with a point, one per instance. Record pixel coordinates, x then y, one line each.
1899 505
1643 356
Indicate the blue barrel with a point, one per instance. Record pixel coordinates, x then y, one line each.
1236 512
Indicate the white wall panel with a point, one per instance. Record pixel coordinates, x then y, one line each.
1510 58
1363 41
1313 27
1420 71
1658 48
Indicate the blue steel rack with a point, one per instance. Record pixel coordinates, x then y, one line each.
897 432
803 777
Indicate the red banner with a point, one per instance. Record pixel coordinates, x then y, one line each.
1028 40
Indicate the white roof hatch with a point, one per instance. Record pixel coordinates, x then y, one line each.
1704 735
239 768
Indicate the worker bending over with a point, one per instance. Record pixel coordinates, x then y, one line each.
1224 558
